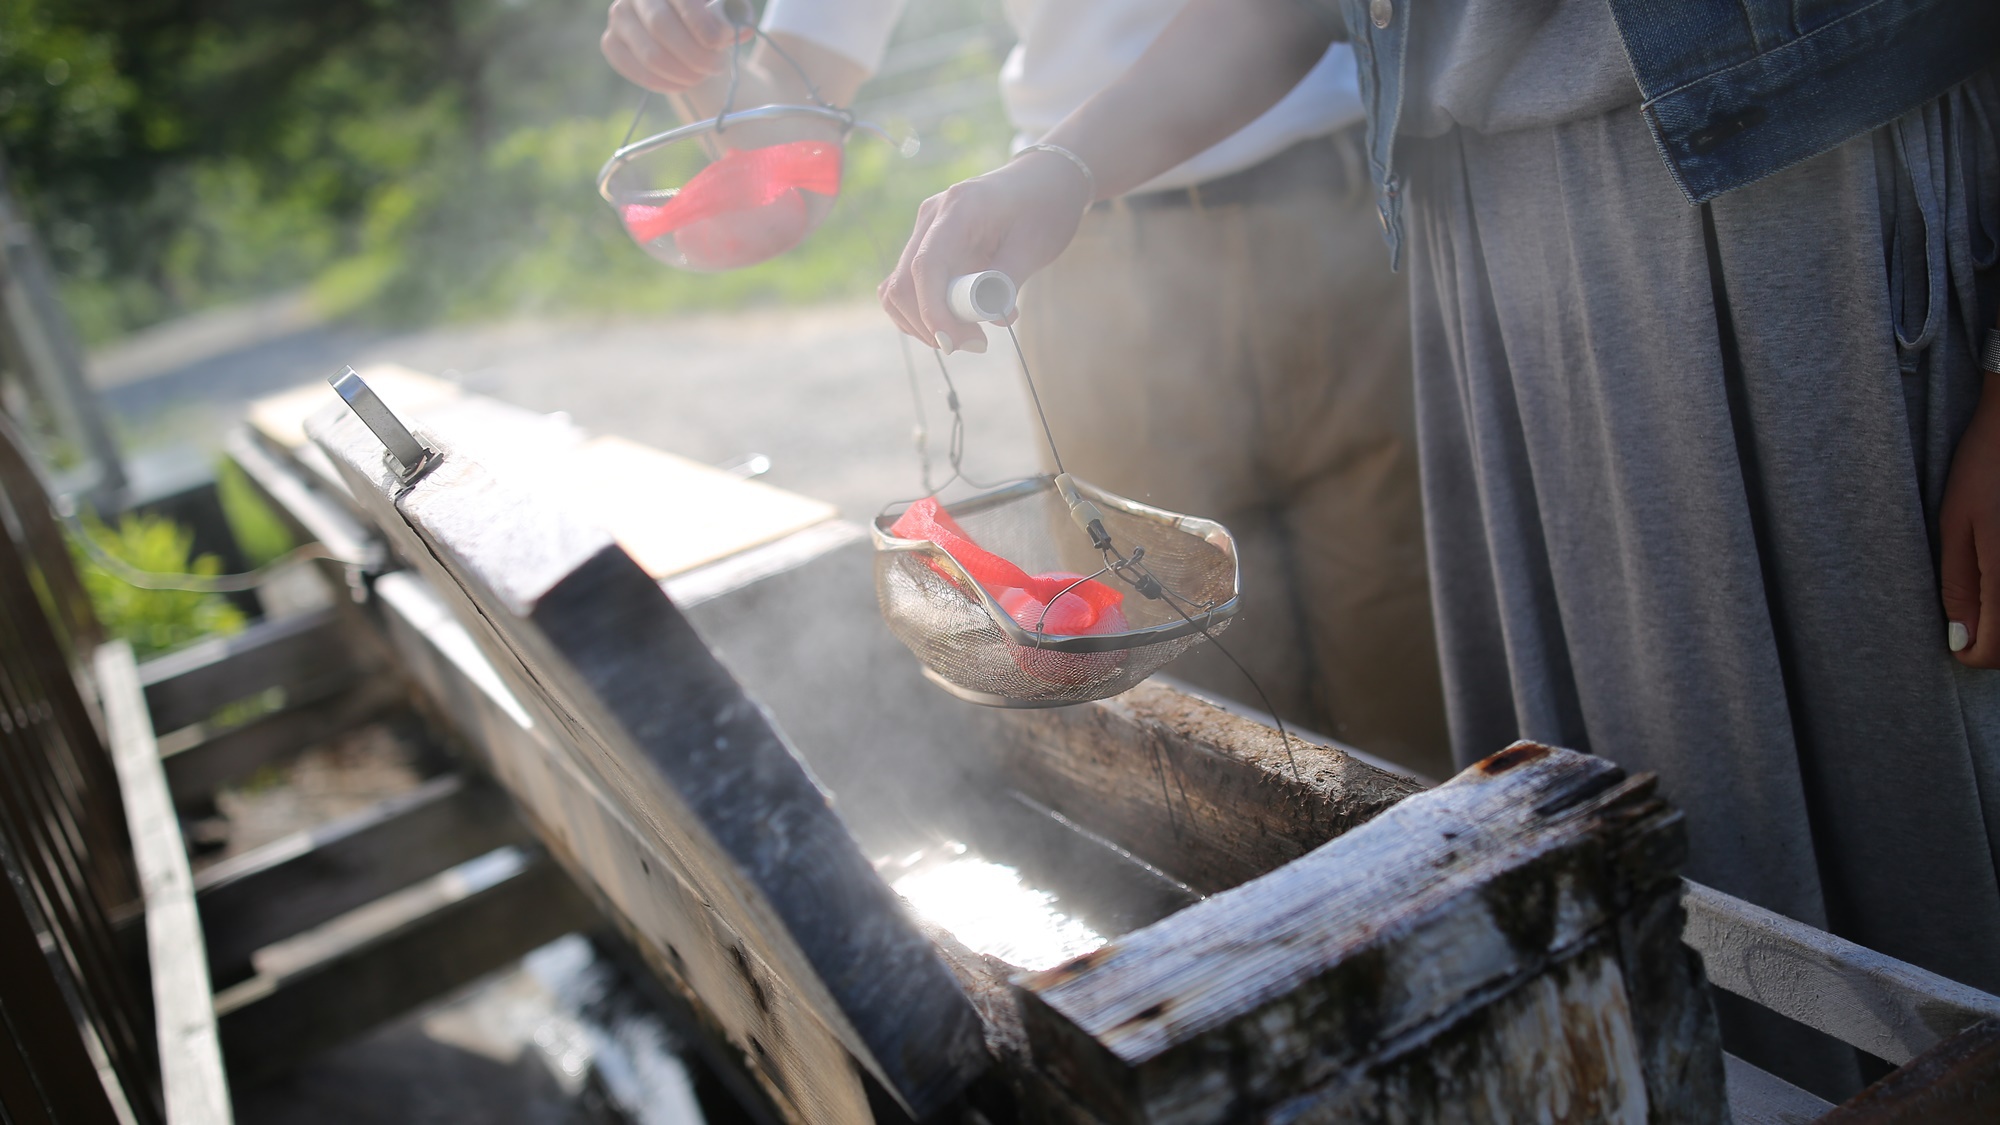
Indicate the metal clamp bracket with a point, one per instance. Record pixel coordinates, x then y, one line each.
411 457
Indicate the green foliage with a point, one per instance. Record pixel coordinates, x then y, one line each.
154 621
525 232
411 159
259 533
177 153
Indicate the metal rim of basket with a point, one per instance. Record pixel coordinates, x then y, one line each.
628 153
1208 531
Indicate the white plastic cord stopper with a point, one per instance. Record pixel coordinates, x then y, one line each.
984 296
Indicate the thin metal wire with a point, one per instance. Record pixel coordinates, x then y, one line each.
1036 396
812 90
729 96
1149 585
1042 622
645 97
955 445
955 448
238 583
1167 594
921 434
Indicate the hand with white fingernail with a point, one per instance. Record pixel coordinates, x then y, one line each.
1969 537
1215 68
1015 219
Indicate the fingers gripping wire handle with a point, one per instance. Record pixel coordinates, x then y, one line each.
986 296
739 13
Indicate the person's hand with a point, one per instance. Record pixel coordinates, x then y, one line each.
668 46
1015 219
1969 532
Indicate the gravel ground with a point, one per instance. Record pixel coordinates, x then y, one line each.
823 391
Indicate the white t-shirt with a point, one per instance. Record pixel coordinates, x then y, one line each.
1070 49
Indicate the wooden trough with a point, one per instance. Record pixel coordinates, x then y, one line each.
1289 940
868 901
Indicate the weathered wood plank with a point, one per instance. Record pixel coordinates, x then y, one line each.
1207 796
191 1079
311 877
691 814
1758 1097
440 935
304 654
1514 906
443 658
195 772
1889 1008
462 684
1559 1047
46 1070
1956 1082
44 546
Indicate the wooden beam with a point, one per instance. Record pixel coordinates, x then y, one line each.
1206 796
195 772
1758 1097
399 954
289 885
441 656
1956 1082
1525 909
1888 1008
191 1078
40 344
305 655
671 789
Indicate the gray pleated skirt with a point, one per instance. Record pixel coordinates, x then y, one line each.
1682 468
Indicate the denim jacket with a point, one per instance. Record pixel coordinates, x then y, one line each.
1733 90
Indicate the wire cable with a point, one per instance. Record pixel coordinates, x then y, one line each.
241 582
1036 396
638 115
1149 584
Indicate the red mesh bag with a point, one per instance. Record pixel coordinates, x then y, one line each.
1075 606
750 205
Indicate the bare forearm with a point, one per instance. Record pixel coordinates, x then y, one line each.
1215 68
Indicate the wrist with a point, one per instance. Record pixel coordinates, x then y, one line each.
1071 164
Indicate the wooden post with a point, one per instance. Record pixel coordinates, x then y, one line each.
36 340
1504 947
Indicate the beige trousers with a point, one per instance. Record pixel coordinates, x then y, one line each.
1250 362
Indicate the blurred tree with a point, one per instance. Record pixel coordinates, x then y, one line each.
410 158
121 117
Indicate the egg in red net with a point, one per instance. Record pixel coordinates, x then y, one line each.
748 206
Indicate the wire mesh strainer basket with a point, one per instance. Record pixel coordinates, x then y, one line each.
1001 647
738 188
731 192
